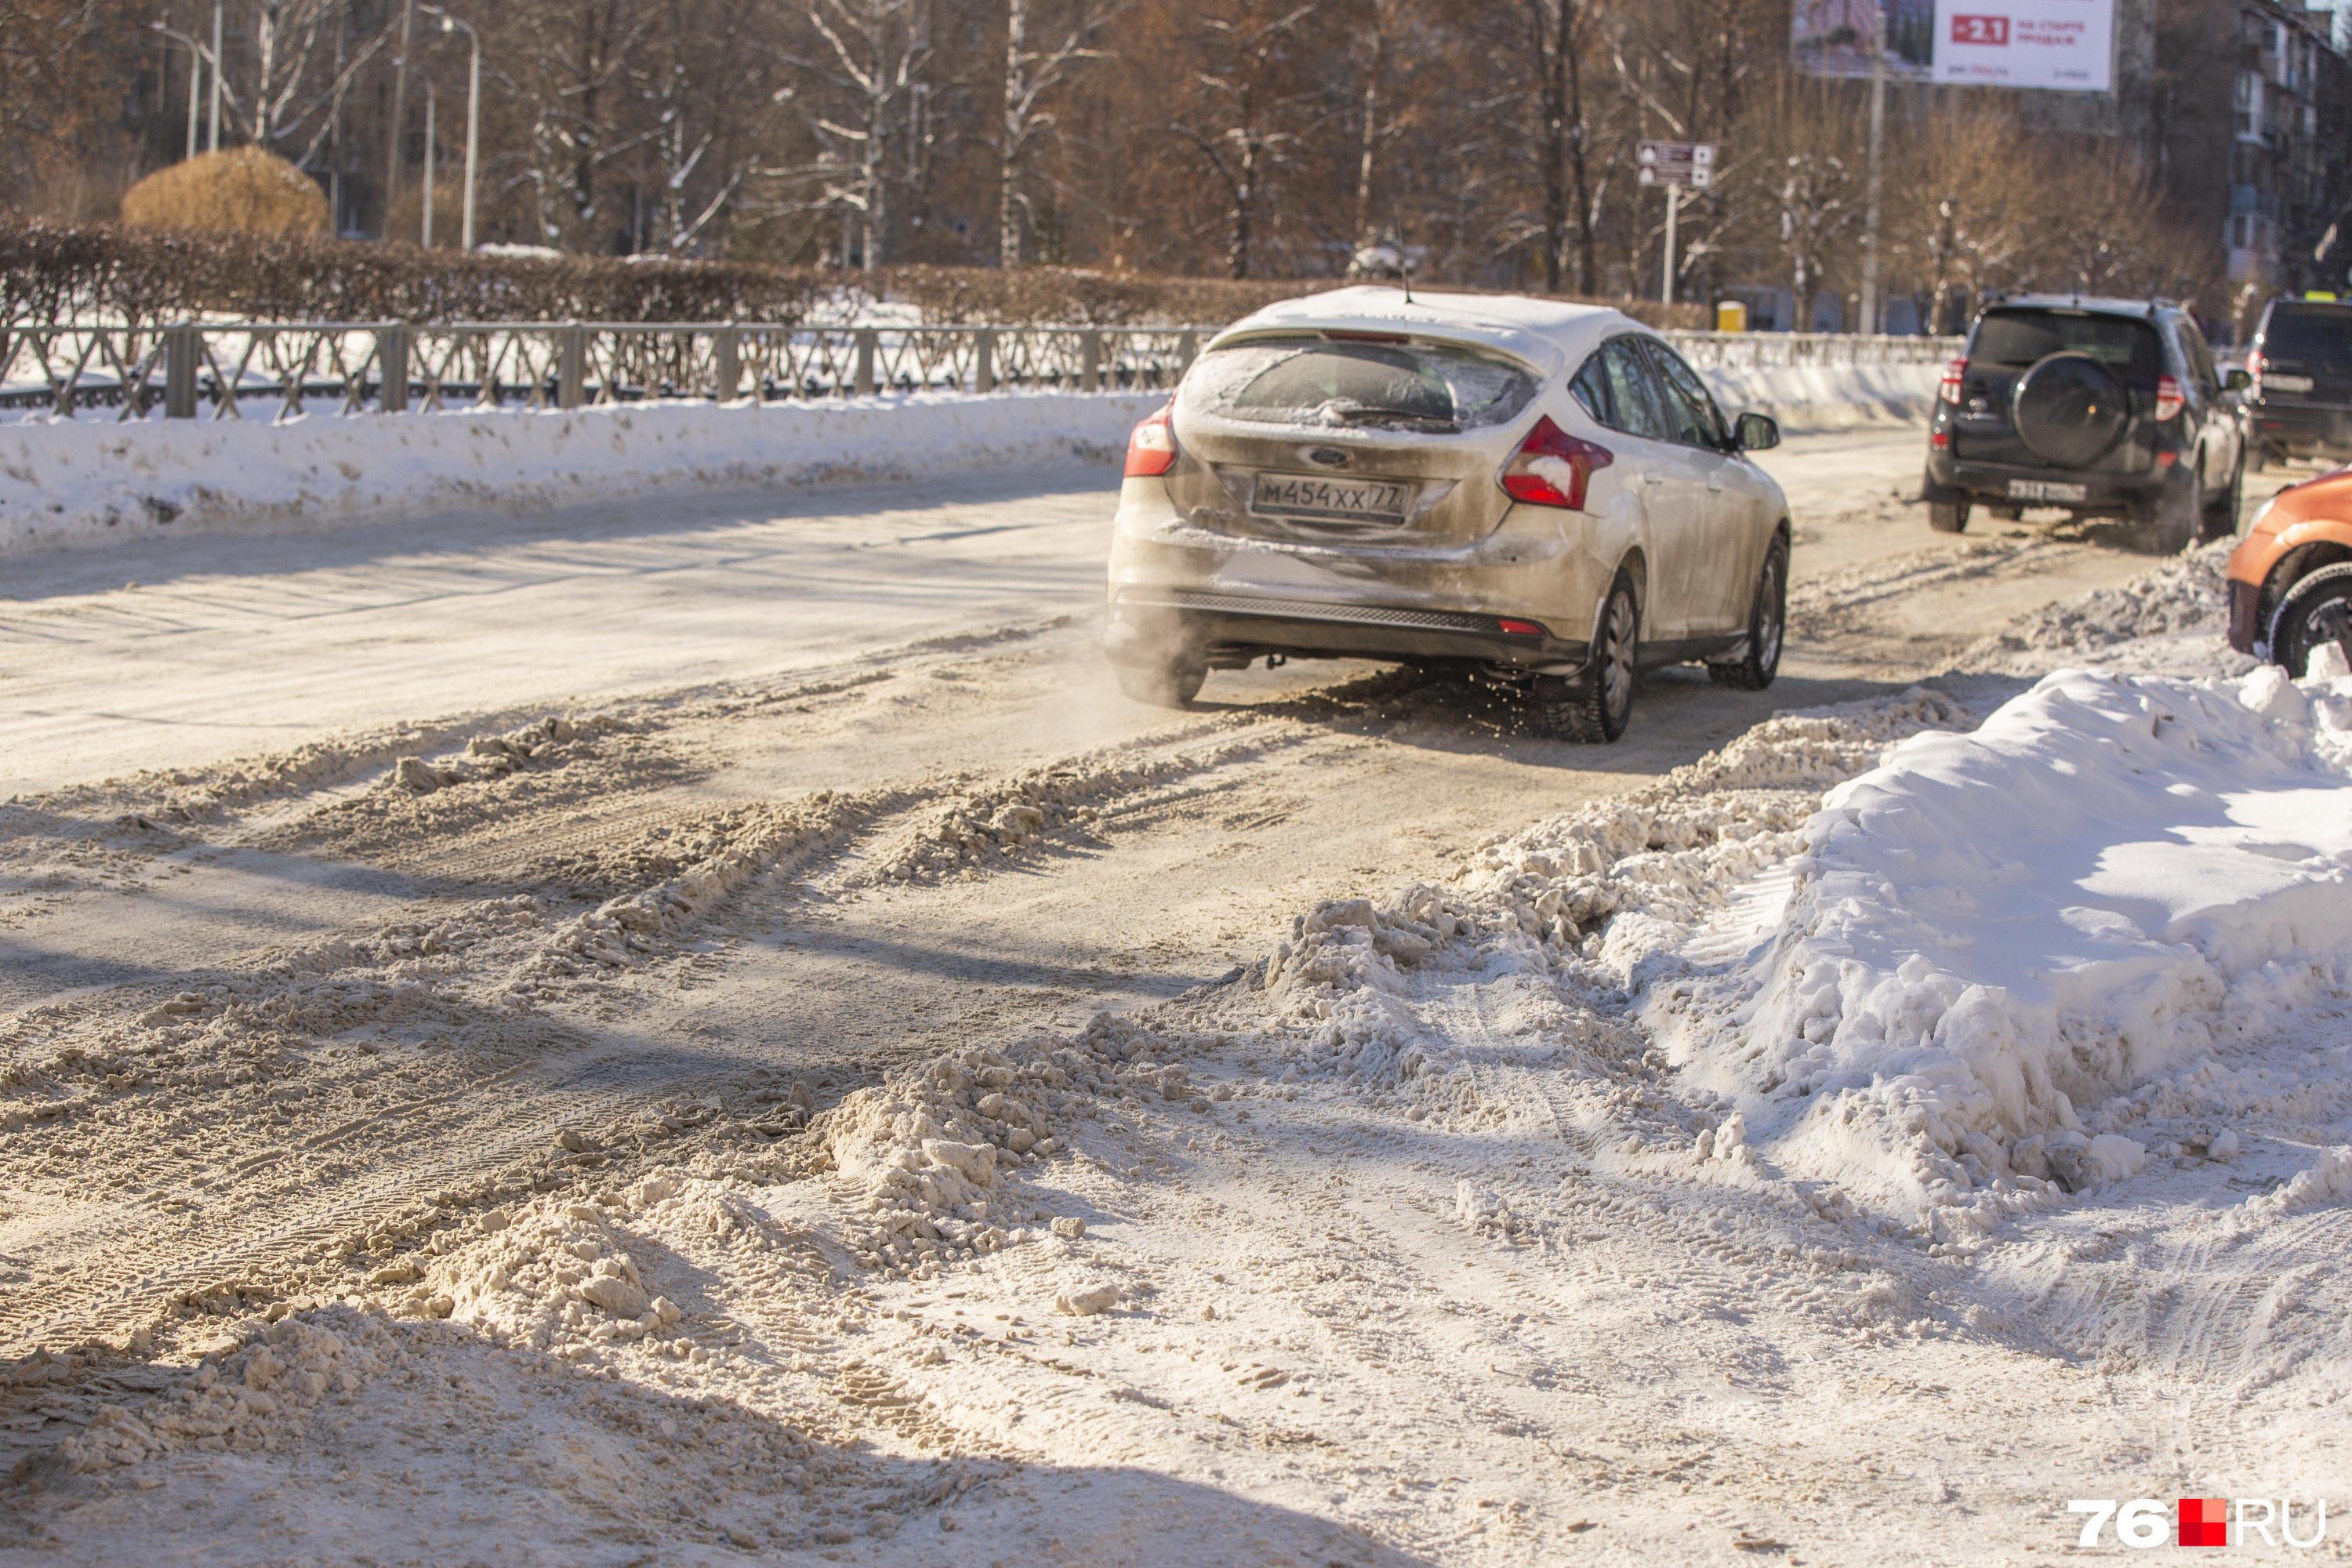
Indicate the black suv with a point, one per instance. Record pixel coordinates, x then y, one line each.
2300 404
2106 407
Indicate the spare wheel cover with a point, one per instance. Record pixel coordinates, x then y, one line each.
2069 409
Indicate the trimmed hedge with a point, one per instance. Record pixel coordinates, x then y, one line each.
50 274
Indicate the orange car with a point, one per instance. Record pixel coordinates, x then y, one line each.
2291 576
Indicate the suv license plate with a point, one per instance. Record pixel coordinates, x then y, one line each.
1311 496
2046 490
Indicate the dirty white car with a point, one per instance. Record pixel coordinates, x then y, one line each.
1544 494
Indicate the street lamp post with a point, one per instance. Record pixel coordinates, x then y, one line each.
473 109
430 97
196 90
196 60
216 75
1877 157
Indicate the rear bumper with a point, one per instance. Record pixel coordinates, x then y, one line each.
1989 483
2293 425
1146 623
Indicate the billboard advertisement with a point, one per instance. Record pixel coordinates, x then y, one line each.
2067 44
1833 38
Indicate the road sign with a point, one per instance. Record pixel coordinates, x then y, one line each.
1688 165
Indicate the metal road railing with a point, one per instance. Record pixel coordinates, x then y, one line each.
1829 351
279 371
219 370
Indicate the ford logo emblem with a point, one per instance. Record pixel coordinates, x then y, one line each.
1329 457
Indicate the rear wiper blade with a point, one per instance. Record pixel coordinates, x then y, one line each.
1358 412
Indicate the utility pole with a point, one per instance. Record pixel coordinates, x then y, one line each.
399 113
1877 158
216 75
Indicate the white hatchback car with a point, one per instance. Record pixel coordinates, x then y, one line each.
1542 493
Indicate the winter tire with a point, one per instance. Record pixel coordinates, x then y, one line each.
2180 513
1161 685
2318 610
1768 623
2222 510
1595 707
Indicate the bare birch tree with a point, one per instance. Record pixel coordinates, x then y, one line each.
1032 76
874 59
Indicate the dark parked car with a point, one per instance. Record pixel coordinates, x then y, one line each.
2106 407
2300 404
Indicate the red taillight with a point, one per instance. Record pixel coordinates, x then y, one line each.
1519 628
1551 467
1949 389
2254 373
2169 400
1151 449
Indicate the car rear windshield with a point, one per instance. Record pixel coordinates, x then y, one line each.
2013 339
2313 338
1399 386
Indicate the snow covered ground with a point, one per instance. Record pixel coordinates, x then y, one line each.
1310 1129
92 482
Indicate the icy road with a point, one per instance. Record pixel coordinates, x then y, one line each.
576 1037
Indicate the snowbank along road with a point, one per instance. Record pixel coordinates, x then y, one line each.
720 1037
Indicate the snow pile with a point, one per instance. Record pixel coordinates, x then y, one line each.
1814 748
553 1274
94 481
986 821
550 743
1590 904
253 1399
2324 1183
936 1147
1829 398
2185 596
2108 878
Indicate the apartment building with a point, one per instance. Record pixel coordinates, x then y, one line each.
2288 157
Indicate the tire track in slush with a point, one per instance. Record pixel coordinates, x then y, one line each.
134 1258
130 1286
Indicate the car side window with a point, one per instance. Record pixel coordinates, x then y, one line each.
2201 356
1590 387
1634 394
1697 421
